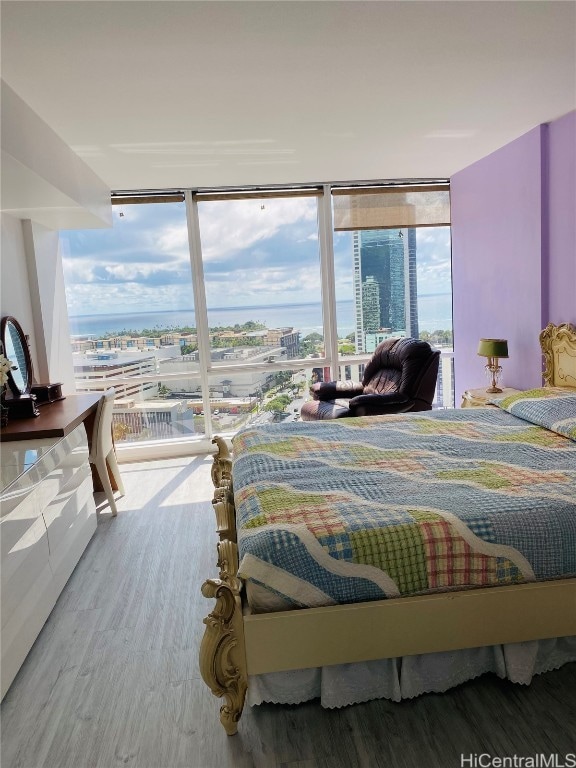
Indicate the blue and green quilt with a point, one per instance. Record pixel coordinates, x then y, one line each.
370 508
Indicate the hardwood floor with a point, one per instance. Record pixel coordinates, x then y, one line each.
113 678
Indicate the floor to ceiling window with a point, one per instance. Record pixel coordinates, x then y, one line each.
132 319
392 264
261 273
211 310
262 282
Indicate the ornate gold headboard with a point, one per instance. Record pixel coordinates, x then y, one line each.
558 344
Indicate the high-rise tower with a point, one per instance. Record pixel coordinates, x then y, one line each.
385 263
370 305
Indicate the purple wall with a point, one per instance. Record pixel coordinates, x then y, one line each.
514 251
562 219
496 262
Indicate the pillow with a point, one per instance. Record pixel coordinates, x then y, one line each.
551 407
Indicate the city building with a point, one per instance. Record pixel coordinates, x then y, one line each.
92 372
385 289
369 311
371 340
242 383
180 339
124 342
290 341
150 420
445 395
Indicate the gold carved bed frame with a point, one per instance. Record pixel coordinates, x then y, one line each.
237 643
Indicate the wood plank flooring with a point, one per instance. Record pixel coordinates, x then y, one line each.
113 678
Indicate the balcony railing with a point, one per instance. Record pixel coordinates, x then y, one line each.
169 406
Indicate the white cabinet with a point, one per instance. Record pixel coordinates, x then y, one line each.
47 517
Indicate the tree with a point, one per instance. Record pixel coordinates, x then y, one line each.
282 377
278 404
187 349
437 337
309 344
251 325
241 341
120 430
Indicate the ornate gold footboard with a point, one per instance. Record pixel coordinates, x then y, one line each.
222 652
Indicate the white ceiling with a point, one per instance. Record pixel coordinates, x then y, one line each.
170 94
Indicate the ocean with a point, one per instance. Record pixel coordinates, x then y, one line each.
434 313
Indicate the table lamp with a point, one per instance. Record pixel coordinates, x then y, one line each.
493 349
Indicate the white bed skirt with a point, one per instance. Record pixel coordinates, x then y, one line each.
409 676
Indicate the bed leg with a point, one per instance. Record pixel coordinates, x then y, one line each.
222 657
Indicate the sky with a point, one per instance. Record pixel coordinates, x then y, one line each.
255 252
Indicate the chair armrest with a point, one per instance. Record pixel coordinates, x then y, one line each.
374 405
332 390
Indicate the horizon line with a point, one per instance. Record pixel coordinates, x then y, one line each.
226 309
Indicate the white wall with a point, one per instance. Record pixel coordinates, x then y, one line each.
45 186
15 291
42 178
33 292
50 314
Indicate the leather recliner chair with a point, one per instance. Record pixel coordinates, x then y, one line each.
400 377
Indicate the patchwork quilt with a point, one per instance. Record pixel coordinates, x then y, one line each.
370 508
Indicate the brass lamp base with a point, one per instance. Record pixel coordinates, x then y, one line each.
493 371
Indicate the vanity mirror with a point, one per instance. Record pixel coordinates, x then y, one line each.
17 396
21 397
16 350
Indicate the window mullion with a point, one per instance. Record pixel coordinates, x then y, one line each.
326 241
200 309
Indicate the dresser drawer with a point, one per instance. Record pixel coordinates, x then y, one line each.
22 566
20 510
60 515
64 461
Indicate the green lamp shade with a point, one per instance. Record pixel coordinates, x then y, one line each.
493 348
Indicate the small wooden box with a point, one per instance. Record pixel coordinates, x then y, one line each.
23 407
47 393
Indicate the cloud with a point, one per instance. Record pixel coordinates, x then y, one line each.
433 260
140 248
174 240
129 298
249 287
250 252
228 227
255 252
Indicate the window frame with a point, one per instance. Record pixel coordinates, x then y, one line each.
207 367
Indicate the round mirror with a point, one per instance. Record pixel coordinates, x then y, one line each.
16 350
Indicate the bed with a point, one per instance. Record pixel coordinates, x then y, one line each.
355 545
